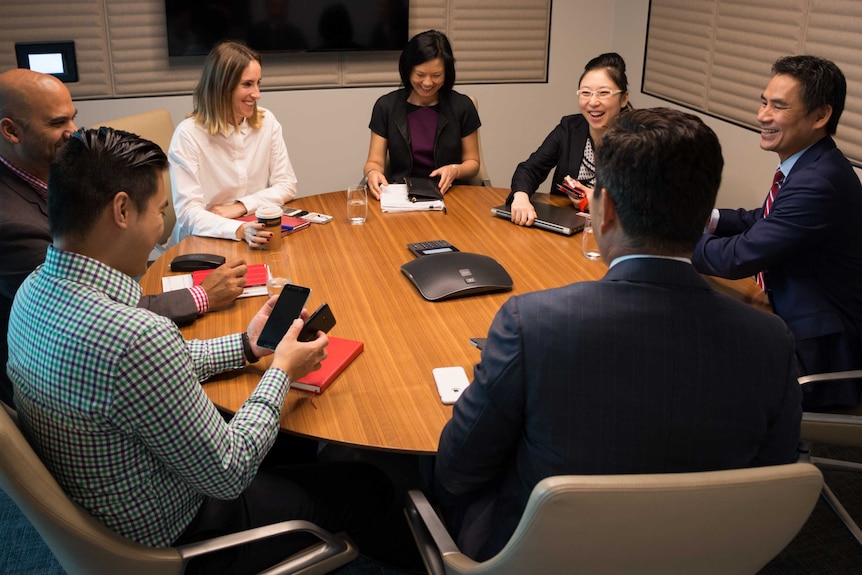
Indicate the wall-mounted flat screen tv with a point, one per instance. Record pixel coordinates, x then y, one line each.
195 26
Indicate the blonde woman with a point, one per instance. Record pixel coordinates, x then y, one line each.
228 157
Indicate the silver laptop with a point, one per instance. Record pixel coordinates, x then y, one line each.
564 221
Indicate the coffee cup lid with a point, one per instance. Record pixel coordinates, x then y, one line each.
268 211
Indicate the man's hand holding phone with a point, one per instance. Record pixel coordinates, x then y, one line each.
297 358
294 357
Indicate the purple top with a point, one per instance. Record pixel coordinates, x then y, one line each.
423 129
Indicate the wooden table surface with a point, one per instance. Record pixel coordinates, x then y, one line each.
387 398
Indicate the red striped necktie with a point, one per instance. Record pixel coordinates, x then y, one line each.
767 207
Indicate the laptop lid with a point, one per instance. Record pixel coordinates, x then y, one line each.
564 221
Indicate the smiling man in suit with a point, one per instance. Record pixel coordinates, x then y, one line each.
805 243
648 370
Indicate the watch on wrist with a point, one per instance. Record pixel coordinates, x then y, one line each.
250 357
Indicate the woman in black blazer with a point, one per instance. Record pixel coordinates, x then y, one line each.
602 96
426 128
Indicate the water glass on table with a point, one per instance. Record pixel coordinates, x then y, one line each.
589 244
357 204
279 270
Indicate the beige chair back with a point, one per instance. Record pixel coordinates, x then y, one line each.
718 522
78 540
482 178
158 127
837 427
83 545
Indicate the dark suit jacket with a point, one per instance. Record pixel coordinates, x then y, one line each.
810 247
24 239
646 371
562 150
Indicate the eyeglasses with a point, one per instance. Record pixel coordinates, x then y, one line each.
600 94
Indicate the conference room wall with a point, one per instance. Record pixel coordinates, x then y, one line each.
327 134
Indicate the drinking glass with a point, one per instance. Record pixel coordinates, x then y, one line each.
279 270
357 204
589 244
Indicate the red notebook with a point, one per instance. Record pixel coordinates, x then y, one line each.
340 353
288 224
256 275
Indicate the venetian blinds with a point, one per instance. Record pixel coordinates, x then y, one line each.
122 49
714 56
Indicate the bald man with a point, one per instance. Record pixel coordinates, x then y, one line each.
37 117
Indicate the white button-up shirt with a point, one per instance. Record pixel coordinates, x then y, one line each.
249 165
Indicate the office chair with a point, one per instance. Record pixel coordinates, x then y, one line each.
842 427
732 521
156 126
482 178
83 545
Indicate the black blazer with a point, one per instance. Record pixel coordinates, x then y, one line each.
646 371
458 119
562 150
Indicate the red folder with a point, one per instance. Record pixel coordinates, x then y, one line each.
256 275
340 352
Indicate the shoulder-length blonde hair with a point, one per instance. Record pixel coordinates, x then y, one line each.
213 96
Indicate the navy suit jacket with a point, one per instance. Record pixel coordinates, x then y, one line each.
810 248
647 371
24 239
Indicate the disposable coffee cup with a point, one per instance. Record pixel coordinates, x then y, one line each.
270 216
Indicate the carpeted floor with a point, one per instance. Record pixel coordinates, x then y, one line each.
823 546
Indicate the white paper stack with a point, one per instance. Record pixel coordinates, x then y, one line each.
393 198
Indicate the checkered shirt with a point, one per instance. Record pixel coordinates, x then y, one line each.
110 397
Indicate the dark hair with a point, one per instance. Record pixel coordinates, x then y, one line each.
615 66
422 48
821 84
662 169
91 168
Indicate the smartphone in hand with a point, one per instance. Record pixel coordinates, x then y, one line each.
287 308
321 320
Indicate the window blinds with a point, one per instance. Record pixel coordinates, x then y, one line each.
715 56
122 50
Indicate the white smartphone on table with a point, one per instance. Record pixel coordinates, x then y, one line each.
451 382
317 218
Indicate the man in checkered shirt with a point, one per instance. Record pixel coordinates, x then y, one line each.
109 394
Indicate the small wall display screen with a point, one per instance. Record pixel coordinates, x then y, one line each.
56 58
194 27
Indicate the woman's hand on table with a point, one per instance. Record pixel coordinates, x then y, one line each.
375 180
448 174
523 212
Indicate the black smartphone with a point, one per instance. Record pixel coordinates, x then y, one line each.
478 342
321 320
287 308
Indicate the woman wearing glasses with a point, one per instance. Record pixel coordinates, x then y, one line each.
602 96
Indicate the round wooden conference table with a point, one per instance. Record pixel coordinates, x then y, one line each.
387 398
